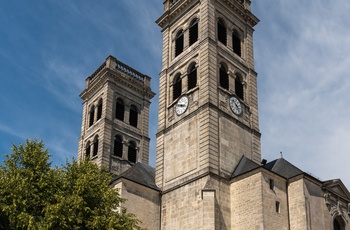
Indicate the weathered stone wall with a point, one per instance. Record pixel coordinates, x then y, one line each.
183 208
247 203
297 205
141 201
201 204
274 201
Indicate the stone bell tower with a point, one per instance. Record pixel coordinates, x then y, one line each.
114 131
208 109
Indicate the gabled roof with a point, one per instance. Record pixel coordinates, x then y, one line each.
279 166
244 165
283 168
337 187
140 173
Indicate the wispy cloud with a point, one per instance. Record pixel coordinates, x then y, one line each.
304 85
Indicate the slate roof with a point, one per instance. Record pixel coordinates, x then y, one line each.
140 173
279 166
283 168
244 165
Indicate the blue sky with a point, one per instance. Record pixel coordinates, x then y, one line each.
302 56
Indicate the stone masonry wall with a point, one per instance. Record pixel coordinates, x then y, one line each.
297 205
275 203
182 207
247 203
141 201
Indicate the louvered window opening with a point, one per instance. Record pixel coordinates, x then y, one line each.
236 44
193 32
336 225
91 116
99 111
192 78
118 147
95 150
132 152
177 88
179 43
224 78
88 150
133 116
120 109
222 33
239 88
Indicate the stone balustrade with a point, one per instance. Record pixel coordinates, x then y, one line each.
114 64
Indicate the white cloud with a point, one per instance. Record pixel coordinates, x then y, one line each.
304 85
302 54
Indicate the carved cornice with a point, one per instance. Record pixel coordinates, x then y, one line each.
172 10
113 70
242 11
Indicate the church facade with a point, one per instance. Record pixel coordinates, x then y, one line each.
209 173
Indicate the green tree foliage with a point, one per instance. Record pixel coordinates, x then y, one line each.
33 195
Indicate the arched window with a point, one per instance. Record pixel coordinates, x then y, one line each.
179 43
133 116
192 77
236 43
239 88
222 32
193 31
99 109
95 149
132 152
118 146
177 87
338 223
91 115
224 83
87 150
120 109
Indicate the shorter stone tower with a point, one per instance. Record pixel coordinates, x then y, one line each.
115 118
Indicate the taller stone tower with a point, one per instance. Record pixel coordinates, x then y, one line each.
208 109
114 131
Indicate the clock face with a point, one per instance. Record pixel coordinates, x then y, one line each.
181 105
235 105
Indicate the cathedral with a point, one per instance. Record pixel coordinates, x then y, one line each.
209 172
